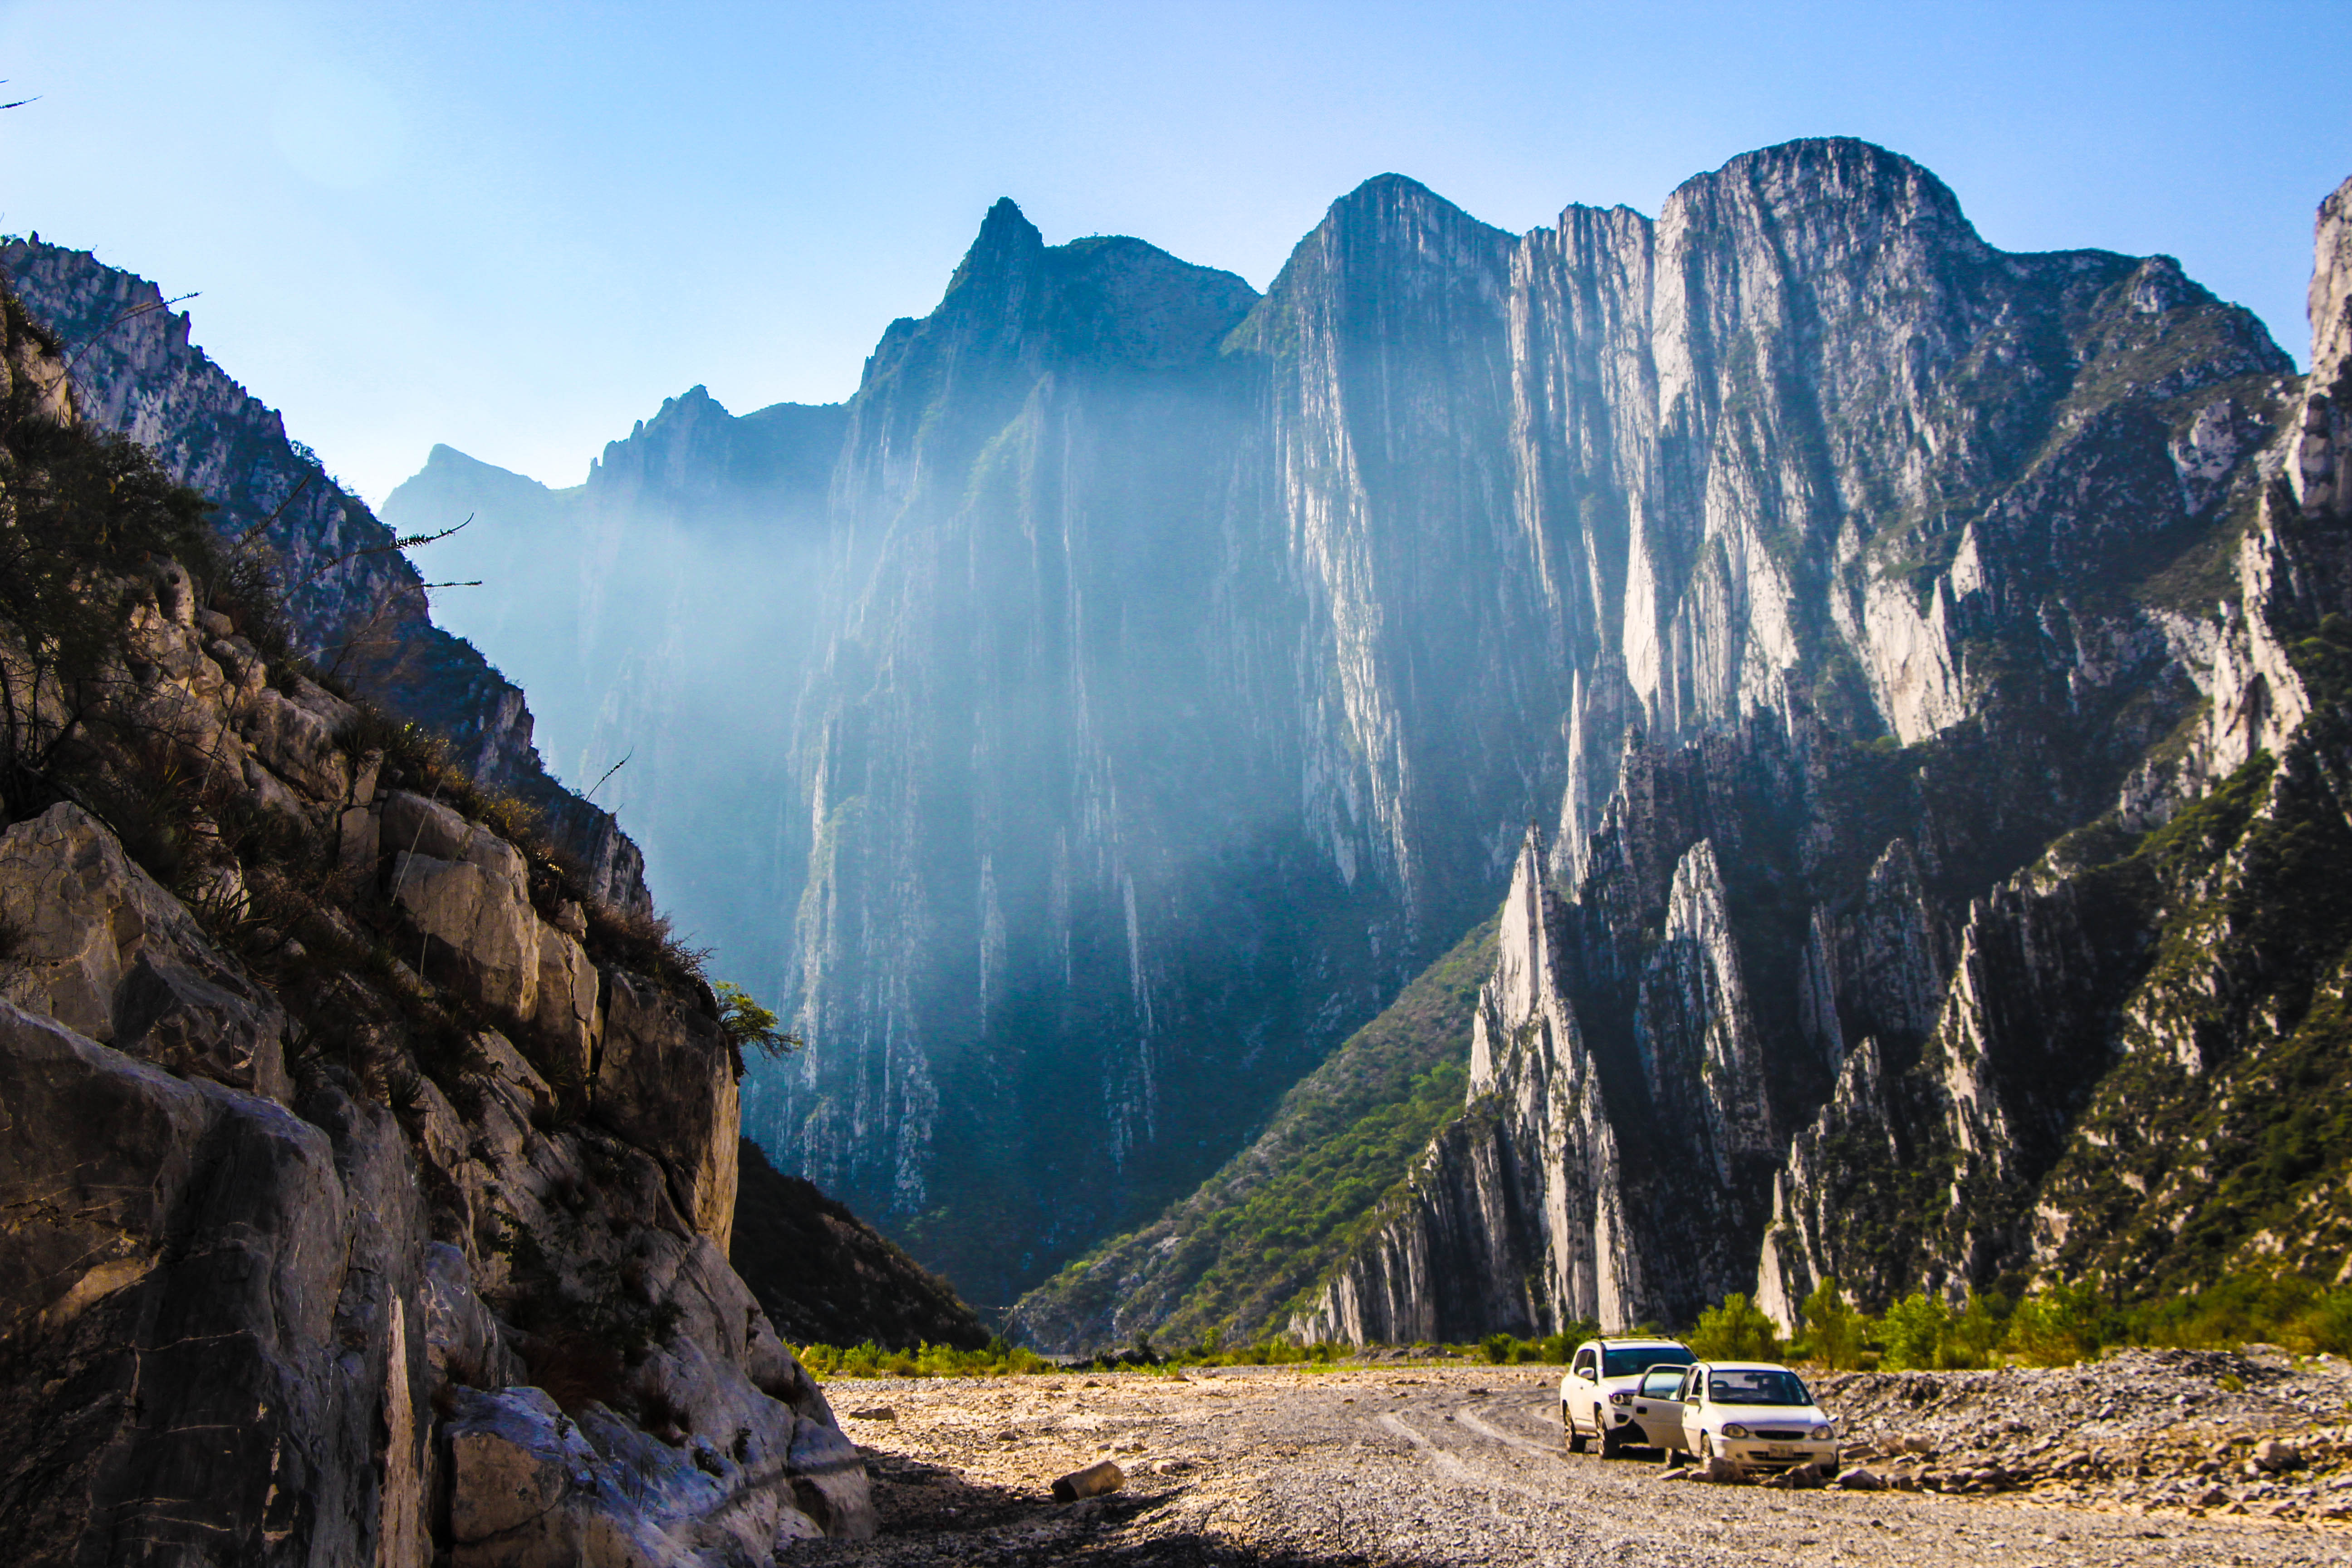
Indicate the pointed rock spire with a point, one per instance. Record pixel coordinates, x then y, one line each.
1000 268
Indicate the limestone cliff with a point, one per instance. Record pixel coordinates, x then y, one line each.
661 614
1457 504
369 1169
2017 999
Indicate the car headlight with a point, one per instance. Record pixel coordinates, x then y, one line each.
1621 1398
1824 1433
1734 1429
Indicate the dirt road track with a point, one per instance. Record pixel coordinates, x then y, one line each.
1445 1466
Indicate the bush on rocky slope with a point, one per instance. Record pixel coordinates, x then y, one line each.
1226 1265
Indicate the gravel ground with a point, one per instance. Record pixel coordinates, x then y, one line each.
1461 1464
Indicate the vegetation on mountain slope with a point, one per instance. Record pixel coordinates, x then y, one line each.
1228 1263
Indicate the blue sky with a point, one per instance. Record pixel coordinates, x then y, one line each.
517 228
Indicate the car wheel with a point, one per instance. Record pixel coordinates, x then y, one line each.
1568 1429
1612 1442
1706 1446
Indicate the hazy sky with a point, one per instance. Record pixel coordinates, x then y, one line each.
517 228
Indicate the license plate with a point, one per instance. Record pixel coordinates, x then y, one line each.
1782 1451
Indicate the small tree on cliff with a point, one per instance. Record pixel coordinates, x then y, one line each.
749 1026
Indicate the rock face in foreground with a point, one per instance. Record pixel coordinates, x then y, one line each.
2045 993
368 1175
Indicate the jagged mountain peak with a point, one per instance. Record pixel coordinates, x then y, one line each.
692 404
1388 222
1111 299
1390 194
1003 257
1832 170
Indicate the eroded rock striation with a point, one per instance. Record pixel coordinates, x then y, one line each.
368 1173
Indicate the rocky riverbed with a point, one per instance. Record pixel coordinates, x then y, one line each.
2145 1457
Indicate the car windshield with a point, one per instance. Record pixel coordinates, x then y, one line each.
1625 1363
1756 1388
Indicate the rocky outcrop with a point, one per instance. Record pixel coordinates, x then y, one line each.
1517 1216
98 946
350 597
313 1253
2319 457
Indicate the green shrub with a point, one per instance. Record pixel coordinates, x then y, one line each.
1736 1331
1913 1331
1975 1336
870 1359
1507 1350
1833 1330
749 1026
2057 1326
2327 1325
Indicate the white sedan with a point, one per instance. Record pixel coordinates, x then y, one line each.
1758 1416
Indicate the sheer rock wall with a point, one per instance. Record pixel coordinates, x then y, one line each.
1991 1007
1184 665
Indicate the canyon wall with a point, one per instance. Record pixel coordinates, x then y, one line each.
354 603
2015 1001
1185 665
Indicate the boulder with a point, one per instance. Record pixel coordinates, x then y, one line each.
296 739
565 1016
528 1092
829 1481
105 951
1859 1479
533 1487
1102 1476
358 844
417 825
462 1343
476 914
188 1365
2273 1454
514 1458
